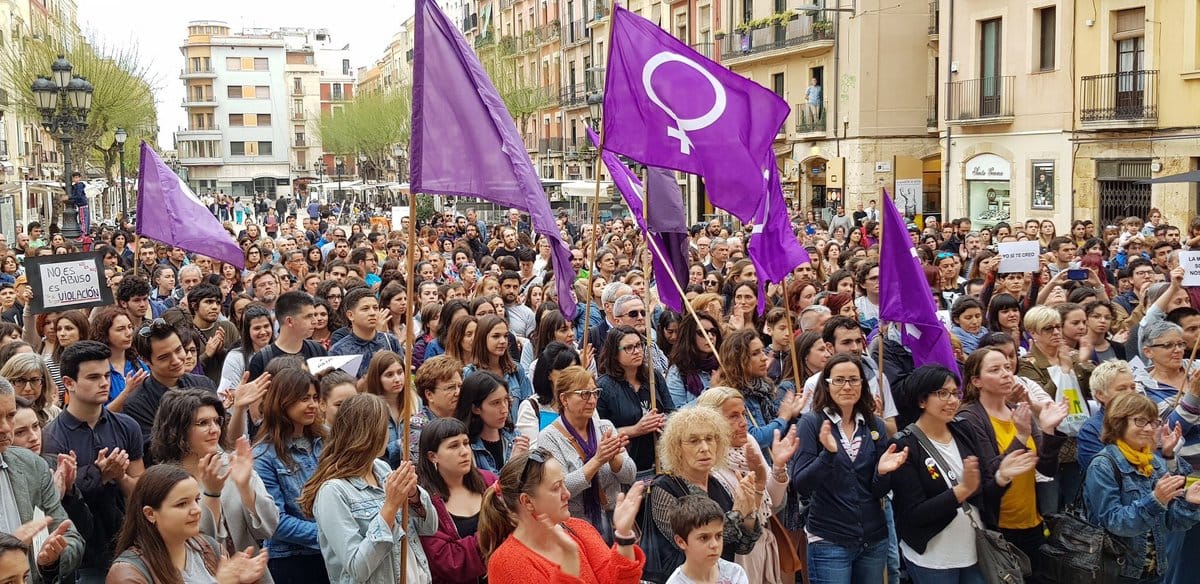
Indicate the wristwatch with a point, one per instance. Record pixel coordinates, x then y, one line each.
625 541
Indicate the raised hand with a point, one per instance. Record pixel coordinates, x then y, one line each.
828 440
385 318
651 421
134 382
520 444
54 545
1169 487
611 446
112 465
250 392
1051 416
782 448
891 460
1015 464
1168 438
1192 495
970 480
212 475
628 504
756 465
245 567
31 528
214 344
241 463
747 498
791 406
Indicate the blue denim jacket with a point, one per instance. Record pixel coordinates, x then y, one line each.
519 388
357 545
297 532
1130 511
484 459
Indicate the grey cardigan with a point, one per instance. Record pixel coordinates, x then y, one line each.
560 446
244 526
33 486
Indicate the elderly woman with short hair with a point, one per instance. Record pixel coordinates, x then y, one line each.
1108 379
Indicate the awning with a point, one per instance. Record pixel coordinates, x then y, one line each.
585 189
1183 177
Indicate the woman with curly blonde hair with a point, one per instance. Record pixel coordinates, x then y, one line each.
692 447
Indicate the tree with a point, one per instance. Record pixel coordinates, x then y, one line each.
523 99
373 124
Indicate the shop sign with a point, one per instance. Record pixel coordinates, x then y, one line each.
988 167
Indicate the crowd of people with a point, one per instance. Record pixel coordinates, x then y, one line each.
180 436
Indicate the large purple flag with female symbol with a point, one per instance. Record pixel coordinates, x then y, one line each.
667 105
630 188
905 298
464 141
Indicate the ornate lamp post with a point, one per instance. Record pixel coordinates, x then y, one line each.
119 139
64 102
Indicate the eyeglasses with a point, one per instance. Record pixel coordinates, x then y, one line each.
157 324
633 349
843 381
946 395
537 455
1176 346
26 381
708 332
634 314
1142 422
587 394
1052 328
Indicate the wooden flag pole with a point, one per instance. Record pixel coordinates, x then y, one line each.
882 329
686 305
406 415
584 348
649 308
787 311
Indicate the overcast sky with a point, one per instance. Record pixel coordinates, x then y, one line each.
159 28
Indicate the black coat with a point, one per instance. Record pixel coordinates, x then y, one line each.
621 406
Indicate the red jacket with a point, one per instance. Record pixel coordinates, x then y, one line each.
453 559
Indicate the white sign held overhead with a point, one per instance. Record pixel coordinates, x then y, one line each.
62 282
398 216
347 363
1190 262
1019 256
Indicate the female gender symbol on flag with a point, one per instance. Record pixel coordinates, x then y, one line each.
683 126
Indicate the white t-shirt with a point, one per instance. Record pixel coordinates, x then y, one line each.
729 573
954 547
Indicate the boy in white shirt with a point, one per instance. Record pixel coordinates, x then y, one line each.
698 524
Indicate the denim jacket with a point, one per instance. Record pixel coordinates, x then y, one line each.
1129 510
484 459
357 545
297 532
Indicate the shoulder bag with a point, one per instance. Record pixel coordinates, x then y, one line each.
1078 552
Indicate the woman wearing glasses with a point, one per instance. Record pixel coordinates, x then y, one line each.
527 534
1136 488
693 358
624 384
30 378
941 482
844 465
593 458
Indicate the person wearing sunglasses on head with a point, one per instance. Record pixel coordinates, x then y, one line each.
625 394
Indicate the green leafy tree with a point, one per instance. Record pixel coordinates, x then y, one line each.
372 125
522 98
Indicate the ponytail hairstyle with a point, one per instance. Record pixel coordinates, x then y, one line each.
498 512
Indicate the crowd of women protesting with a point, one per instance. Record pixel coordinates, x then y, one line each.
180 435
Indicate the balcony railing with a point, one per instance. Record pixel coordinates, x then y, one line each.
300 142
470 22
199 71
573 95
810 119
793 33
547 145
298 115
983 100
577 32
934 13
931 119
199 100
201 128
1125 96
297 90
705 49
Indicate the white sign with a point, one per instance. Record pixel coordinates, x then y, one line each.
1019 256
910 196
67 281
347 363
1190 262
988 167
883 167
398 216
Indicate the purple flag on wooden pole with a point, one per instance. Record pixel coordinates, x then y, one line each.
667 105
464 141
904 294
168 211
667 220
631 190
773 247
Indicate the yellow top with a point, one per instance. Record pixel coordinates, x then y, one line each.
1018 507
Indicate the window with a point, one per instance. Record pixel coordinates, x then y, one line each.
264 148
1047 23
236 120
261 64
262 120
233 63
345 66
235 92
297 87
237 148
262 92
777 84
336 88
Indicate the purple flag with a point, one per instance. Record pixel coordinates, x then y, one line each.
667 220
667 105
631 190
464 141
168 211
904 295
773 247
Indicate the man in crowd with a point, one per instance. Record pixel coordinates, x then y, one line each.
294 312
520 317
362 310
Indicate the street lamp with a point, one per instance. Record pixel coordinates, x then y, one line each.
119 139
64 102
595 103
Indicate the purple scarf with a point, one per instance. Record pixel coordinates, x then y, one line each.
692 380
591 495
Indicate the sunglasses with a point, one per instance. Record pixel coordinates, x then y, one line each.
158 324
635 314
538 455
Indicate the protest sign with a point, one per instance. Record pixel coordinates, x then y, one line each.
1019 256
1190 262
347 363
68 281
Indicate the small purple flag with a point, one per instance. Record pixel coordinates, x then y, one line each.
773 247
464 141
168 211
904 295
631 190
667 105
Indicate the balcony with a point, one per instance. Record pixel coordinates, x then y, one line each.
801 36
810 119
470 22
573 95
506 4
300 142
199 131
200 101
297 91
931 119
197 73
1126 100
980 102
549 33
577 33
935 11
484 41
550 145
298 115
705 49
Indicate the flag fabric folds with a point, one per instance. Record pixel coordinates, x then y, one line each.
773 247
464 141
667 220
168 211
667 105
905 298
631 190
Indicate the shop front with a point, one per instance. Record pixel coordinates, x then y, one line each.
989 190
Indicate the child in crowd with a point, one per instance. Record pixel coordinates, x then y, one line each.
698 523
